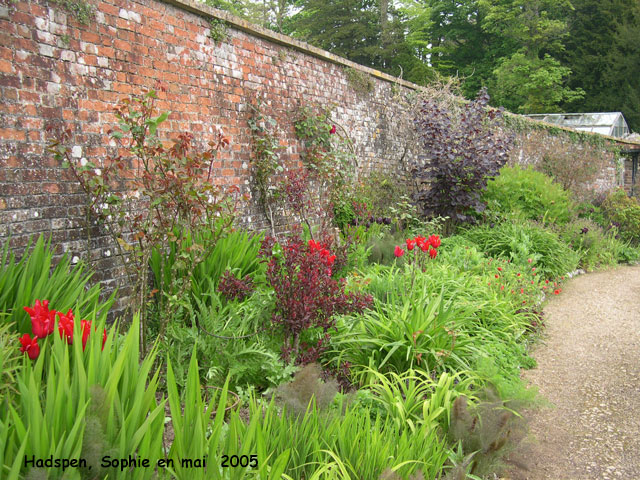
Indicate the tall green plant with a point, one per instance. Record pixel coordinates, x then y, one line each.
419 333
85 403
34 277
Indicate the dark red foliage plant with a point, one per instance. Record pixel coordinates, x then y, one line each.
234 288
307 296
464 151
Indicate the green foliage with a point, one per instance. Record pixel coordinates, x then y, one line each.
624 212
413 399
521 241
527 194
230 342
359 81
34 277
603 57
419 333
381 248
348 445
533 85
596 248
185 286
82 11
9 364
218 31
95 402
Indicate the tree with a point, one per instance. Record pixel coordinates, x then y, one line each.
450 35
602 52
533 85
531 79
368 32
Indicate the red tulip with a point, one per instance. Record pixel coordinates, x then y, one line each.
434 240
42 319
85 325
65 326
398 252
30 346
104 338
433 253
410 244
333 129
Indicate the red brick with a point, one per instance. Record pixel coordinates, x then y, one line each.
12 134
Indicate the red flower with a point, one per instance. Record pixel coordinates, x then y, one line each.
314 246
42 319
434 240
85 325
398 252
104 338
421 242
433 253
65 325
529 260
333 129
497 276
556 292
522 290
499 269
30 346
410 244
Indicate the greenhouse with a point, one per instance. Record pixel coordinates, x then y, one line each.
609 123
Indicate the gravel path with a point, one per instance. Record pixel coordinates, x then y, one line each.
589 369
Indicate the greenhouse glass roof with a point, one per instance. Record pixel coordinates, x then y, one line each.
610 123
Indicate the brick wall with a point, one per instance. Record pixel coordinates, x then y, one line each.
55 70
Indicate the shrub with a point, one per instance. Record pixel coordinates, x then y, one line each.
529 195
464 153
231 340
595 247
592 212
34 277
624 213
306 294
520 242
